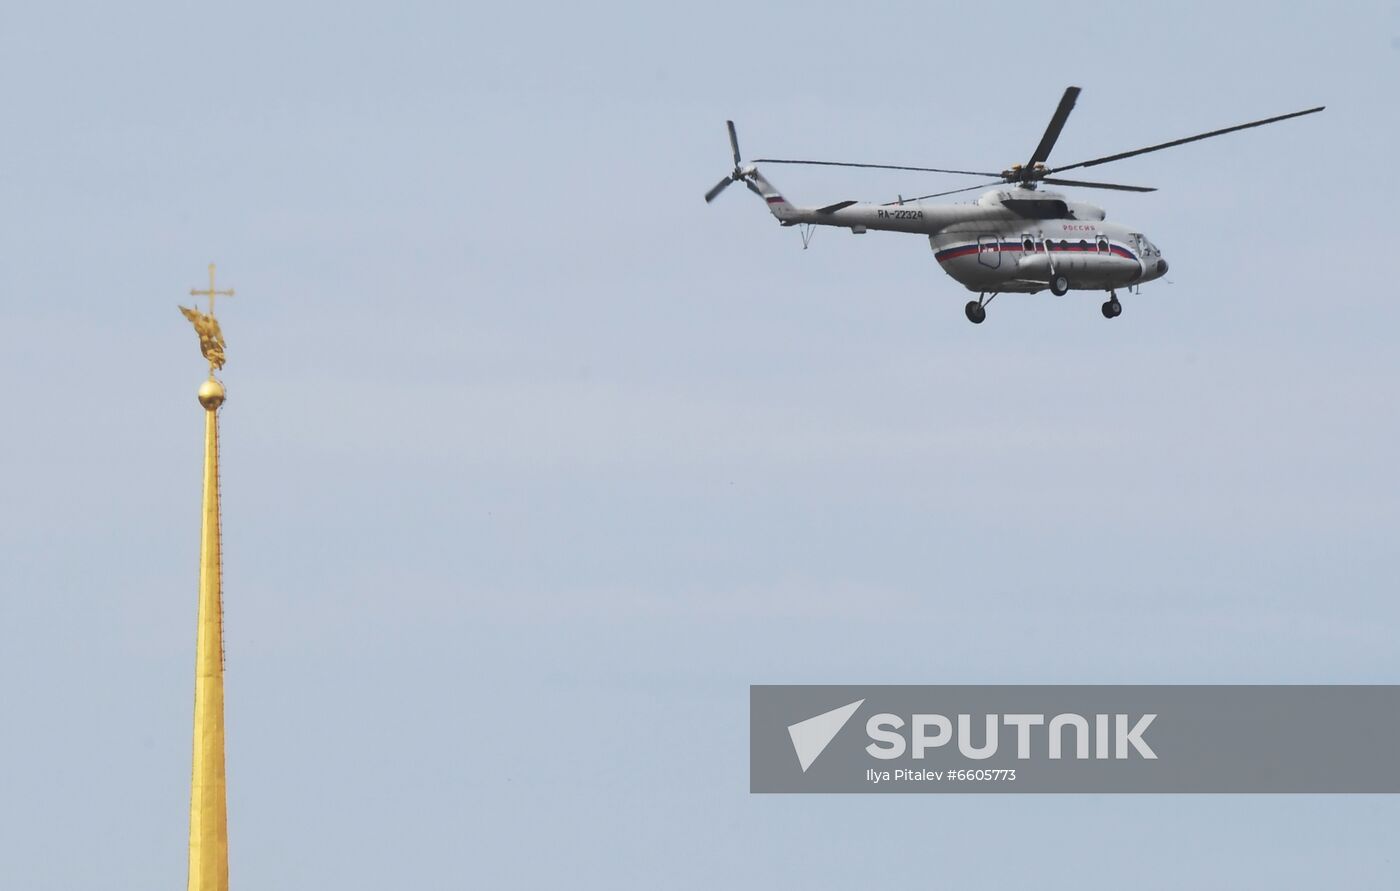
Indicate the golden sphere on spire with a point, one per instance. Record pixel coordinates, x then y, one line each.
211 394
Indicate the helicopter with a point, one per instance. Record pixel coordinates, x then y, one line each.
1016 238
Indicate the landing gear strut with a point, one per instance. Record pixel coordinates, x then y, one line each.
1112 309
977 309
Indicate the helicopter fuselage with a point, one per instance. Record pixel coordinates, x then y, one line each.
1023 255
1011 240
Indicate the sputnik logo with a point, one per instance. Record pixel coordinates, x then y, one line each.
811 737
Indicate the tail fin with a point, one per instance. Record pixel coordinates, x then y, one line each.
777 204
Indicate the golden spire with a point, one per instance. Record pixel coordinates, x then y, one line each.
208 790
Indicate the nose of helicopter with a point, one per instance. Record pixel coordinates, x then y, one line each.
1153 269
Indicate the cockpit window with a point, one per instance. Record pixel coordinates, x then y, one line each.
1144 247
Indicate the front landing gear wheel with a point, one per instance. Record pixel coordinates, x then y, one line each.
976 312
1059 285
1112 309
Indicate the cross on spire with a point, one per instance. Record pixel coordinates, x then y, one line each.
212 292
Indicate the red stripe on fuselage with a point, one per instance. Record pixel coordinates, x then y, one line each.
1009 247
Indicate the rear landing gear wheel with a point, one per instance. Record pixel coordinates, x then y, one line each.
976 312
1059 285
1112 309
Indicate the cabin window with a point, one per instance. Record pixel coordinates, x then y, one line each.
1028 244
1103 244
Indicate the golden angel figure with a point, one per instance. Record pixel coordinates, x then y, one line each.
211 338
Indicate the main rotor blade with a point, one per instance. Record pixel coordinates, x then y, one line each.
1057 123
875 166
1088 185
719 187
949 192
1152 148
734 142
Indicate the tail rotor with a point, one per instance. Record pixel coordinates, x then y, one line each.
737 174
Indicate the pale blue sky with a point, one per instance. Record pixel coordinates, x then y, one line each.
534 462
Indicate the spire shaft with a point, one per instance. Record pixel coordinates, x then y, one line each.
208 791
